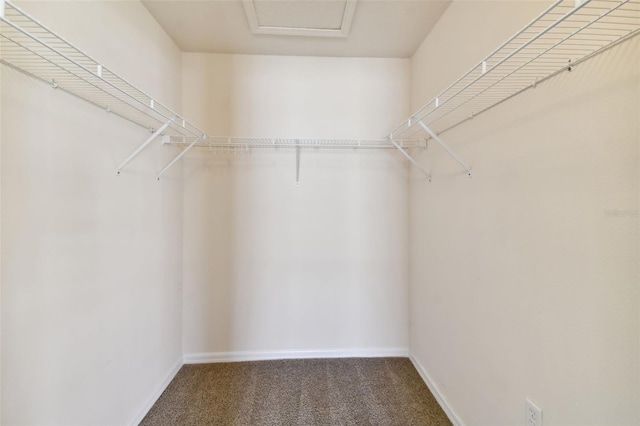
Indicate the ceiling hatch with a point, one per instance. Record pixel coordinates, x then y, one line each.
309 18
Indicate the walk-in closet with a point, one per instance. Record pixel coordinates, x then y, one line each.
320 212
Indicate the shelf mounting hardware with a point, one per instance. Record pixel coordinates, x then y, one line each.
445 147
182 153
144 144
410 158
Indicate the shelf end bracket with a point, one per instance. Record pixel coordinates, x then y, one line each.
179 156
445 147
144 144
410 158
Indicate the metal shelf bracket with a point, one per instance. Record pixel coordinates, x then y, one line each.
445 147
410 158
144 144
179 156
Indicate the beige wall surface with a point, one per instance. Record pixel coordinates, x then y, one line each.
520 281
523 278
269 266
91 265
0 245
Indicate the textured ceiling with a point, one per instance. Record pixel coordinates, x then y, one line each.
380 28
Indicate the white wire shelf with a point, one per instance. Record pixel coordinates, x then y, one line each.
30 47
564 35
238 144
26 45
567 33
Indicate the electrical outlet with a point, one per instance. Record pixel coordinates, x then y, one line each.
534 414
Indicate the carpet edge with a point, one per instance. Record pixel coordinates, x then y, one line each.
156 394
435 391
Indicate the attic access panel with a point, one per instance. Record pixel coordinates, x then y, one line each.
313 18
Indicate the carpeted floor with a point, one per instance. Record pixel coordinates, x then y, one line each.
344 391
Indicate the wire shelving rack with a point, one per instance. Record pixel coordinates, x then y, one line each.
236 144
28 46
567 33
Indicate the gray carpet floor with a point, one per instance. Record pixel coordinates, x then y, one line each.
343 391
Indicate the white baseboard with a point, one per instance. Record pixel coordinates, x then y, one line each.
455 419
154 397
209 357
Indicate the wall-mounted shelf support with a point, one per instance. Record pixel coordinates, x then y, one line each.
297 166
144 144
410 158
179 156
445 147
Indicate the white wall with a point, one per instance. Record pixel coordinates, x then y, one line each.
0 245
272 267
91 265
518 282
521 284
